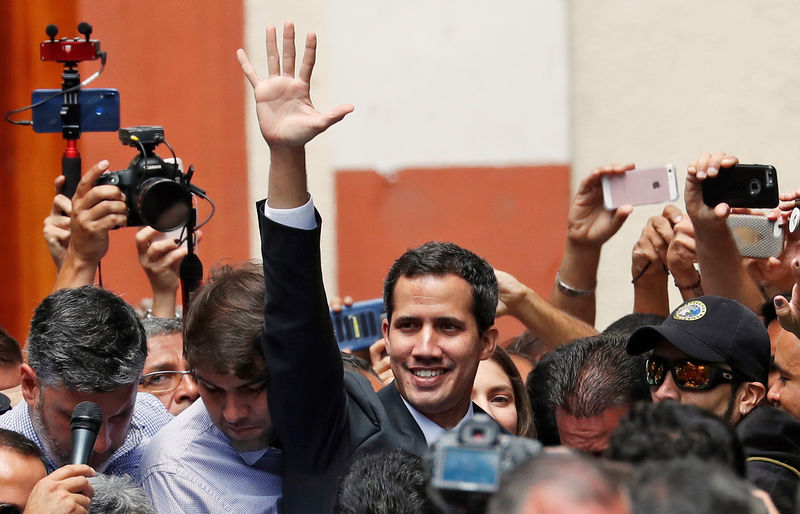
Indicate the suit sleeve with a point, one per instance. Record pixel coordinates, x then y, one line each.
306 385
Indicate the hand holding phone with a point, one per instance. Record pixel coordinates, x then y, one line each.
640 187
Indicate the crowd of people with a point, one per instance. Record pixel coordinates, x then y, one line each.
245 403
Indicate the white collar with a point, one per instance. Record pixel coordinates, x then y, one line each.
431 430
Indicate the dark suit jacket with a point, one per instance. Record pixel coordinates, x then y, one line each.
321 415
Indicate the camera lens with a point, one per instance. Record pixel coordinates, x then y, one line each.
755 187
163 204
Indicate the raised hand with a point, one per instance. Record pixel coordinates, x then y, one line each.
161 260
789 310
95 211
707 165
588 222
286 116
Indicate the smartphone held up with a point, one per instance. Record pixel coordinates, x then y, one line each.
640 187
743 185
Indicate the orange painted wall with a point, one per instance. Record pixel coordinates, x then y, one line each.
174 65
515 217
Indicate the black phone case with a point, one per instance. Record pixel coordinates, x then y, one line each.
743 185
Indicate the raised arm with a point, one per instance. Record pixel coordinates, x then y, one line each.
589 226
305 393
552 325
721 265
95 211
649 263
161 261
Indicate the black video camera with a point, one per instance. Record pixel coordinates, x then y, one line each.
157 192
466 465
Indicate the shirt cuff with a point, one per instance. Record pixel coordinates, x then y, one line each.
297 217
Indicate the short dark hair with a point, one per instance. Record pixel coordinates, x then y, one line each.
10 351
598 374
630 322
223 323
86 339
385 482
22 445
522 402
669 430
354 363
690 485
580 479
435 258
584 378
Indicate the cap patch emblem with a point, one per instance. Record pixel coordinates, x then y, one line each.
691 311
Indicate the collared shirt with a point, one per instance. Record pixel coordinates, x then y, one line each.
431 430
149 415
192 467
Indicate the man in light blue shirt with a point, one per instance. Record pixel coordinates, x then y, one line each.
86 344
218 455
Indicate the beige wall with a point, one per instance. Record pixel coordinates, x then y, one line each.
434 84
665 80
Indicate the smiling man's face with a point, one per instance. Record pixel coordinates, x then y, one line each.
434 346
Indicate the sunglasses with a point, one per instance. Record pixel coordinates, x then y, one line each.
162 381
692 375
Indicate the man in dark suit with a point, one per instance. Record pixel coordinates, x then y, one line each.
440 303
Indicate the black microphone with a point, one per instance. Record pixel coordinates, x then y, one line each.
84 424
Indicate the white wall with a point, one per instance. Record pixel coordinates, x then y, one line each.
433 83
665 80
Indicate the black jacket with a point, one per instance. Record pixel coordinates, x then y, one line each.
771 442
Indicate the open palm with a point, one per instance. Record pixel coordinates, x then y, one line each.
285 113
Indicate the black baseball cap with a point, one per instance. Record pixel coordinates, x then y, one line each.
713 329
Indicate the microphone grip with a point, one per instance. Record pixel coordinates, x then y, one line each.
82 445
71 168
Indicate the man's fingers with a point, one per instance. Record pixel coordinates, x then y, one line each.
71 470
62 205
87 181
144 237
722 210
59 184
288 49
672 213
309 58
103 209
377 350
273 62
335 115
247 68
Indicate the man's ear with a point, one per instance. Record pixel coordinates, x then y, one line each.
385 330
750 394
30 385
489 342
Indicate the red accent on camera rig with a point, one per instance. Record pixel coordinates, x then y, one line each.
70 52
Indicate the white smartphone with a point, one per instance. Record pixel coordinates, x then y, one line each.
640 187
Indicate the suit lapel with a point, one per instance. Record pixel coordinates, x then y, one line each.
403 424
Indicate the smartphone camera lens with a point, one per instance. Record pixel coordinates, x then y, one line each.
755 187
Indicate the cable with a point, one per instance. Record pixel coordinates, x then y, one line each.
213 209
55 95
